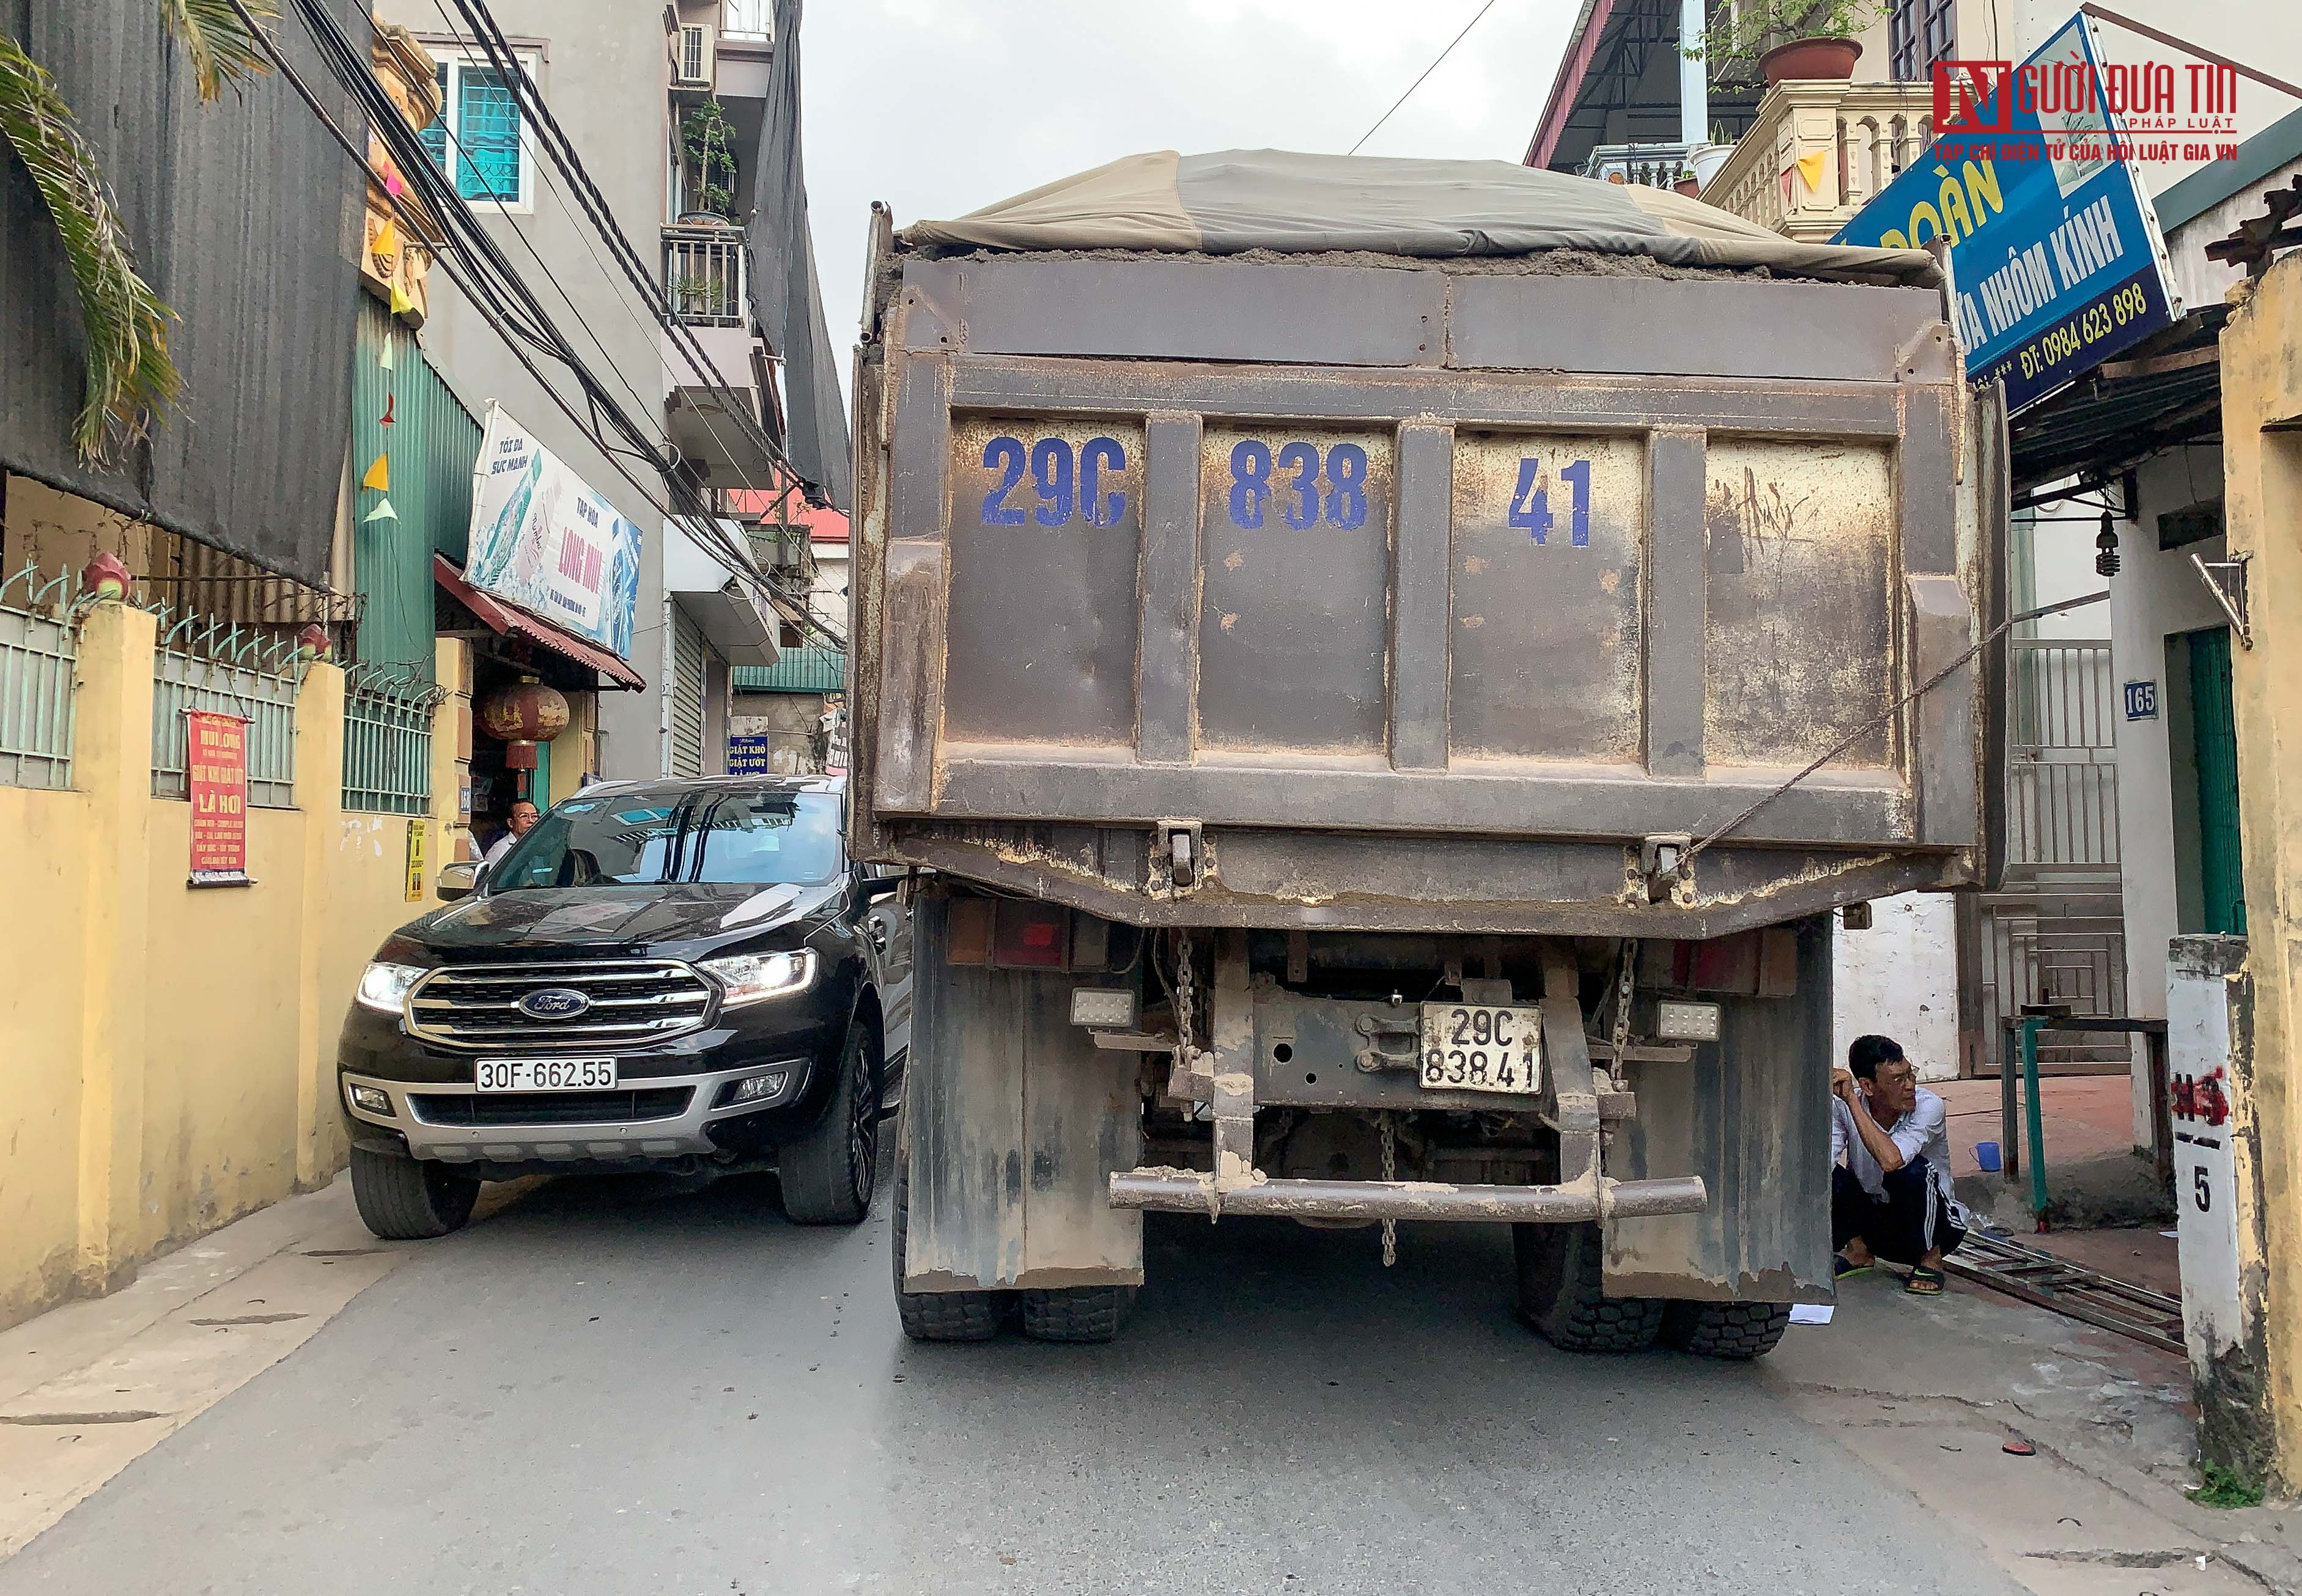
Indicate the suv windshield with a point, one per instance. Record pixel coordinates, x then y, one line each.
746 839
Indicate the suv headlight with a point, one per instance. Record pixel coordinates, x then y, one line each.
748 978
383 987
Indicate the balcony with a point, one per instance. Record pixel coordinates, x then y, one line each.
1648 165
706 276
1853 139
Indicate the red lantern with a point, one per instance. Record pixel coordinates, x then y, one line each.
521 716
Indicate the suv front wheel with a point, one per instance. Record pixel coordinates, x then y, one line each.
409 1199
828 1174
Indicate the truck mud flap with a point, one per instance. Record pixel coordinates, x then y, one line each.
1750 1116
1013 1121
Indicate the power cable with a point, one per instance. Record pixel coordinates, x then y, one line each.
1427 70
568 162
481 271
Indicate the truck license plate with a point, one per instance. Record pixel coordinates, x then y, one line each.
1473 1047
547 1075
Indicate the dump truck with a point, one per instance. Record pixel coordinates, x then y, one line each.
1388 673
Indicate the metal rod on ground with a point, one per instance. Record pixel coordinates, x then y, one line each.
2034 1118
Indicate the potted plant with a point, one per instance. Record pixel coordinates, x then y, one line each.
1778 40
705 136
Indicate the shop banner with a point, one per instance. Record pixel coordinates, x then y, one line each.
2054 251
215 776
544 539
748 754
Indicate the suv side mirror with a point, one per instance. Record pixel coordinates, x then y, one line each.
460 879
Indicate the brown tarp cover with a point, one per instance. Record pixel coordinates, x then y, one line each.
1236 200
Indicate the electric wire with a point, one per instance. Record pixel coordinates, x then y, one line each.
496 293
1427 70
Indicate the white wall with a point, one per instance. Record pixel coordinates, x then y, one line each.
2155 595
1900 979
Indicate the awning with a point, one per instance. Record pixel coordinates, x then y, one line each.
734 619
2163 393
507 622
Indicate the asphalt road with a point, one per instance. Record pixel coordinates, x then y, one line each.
611 1388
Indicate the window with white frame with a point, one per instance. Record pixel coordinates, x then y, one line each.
479 139
747 18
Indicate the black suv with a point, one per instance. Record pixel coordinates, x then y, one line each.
681 975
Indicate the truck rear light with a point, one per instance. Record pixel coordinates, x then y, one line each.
1104 1008
1686 1022
1030 936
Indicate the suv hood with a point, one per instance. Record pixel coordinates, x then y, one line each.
626 919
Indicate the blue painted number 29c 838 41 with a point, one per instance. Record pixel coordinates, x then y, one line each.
1345 504
1530 505
1068 483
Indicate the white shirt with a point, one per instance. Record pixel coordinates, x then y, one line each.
499 848
1924 1132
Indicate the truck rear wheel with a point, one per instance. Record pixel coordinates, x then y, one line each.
937 1315
1736 1330
1084 1313
827 1174
409 1199
1562 1292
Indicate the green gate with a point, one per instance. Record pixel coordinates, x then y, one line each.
2214 737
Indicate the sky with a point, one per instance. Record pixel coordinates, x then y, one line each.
939 107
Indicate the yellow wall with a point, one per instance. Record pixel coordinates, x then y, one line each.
167 1052
2262 469
41 937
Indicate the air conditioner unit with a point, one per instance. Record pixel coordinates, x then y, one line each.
693 67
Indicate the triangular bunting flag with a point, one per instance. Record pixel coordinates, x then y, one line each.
387 240
379 476
382 512
400 302
384 361
392 182
1809 168
385 419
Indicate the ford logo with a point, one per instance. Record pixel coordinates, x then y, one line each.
554 1003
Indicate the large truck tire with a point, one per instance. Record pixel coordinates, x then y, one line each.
1562 1292
938 1316
410 1199
1084 1313
828 1174
1736 1330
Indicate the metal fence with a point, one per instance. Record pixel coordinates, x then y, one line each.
388 741
2055 937
229 669
704 273
36 680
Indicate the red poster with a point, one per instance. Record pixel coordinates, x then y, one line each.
216 778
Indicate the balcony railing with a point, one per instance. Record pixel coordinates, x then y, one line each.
705 276
1649 165
1818 151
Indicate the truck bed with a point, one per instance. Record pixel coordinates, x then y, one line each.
1418 596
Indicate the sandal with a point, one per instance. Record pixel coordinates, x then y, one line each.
1841 1267
1925 1282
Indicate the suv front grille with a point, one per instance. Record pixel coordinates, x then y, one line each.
631 1001
548 1108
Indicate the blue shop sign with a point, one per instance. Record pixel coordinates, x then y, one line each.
2057 261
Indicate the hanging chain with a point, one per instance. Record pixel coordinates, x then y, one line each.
1185 1029
1389 1174
1622 1038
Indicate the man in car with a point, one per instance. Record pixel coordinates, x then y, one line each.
523 818
1891 1193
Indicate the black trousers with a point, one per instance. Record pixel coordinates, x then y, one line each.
1912 1218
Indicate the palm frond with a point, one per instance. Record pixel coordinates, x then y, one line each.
223 49
131 377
